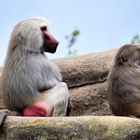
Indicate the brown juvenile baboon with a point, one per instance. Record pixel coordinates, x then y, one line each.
124 82
30 83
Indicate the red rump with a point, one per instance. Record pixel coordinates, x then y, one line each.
39 109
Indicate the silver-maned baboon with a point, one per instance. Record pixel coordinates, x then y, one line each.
31 83
124 82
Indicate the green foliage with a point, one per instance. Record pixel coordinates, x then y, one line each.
71 39
136 39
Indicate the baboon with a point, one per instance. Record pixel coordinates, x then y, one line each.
30 82
124 82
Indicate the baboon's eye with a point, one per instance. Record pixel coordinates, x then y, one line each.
43 28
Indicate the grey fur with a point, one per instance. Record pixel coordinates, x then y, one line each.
27 71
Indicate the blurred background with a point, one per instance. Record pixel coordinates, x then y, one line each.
80 26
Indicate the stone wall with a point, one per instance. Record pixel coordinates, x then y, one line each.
86 78
72 128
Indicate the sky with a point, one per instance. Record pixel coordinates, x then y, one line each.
103 24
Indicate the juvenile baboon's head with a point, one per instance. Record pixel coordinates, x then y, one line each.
128 55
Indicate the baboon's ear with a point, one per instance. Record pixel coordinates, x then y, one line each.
123 58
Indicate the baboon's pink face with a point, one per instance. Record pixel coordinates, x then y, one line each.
49 42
